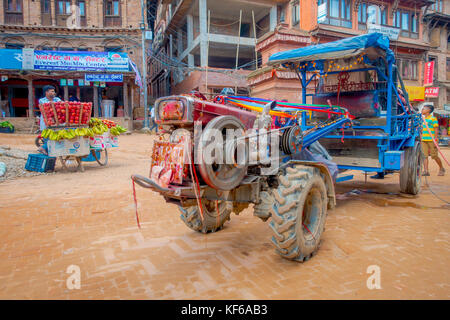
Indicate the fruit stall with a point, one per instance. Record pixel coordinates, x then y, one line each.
73 136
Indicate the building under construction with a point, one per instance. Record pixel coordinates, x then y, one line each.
207 45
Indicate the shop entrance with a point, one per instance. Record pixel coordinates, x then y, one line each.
115 93
18 100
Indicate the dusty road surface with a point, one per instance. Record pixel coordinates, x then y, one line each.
48 223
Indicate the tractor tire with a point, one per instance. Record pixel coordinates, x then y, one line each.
299 212
191 216
411 172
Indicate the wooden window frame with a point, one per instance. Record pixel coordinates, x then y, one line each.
112 2
398 21
295 12
15 2
342 22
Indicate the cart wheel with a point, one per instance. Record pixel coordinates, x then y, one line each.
101 162
39 141
71 163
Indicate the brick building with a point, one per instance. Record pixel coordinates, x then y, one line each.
437 20
183 48
70 26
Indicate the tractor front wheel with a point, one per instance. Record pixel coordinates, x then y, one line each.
299 212
215 214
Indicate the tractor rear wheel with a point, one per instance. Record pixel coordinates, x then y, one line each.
411 172
215 214
299 212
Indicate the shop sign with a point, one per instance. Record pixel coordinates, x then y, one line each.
428 73
96 83
87 83
390 32
63 82
80 61
11 59
322 13
70 82
102 84
105 77
432 92
80 82
27 59
415 93
4 78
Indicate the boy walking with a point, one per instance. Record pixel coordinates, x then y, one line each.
428 147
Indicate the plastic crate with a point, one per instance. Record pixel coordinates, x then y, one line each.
40 163
6 130
91 158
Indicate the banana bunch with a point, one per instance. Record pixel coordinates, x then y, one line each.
117 130
97 126
67 133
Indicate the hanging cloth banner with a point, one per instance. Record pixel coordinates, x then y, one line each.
138 79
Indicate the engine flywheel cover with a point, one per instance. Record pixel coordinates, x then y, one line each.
218 174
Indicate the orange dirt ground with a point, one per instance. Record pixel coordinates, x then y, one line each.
50 222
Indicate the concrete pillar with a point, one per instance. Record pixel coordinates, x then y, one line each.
30 98
125 98
190 37
203 22
273 17
95 101
190 60
190 29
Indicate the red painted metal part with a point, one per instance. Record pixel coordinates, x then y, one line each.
205 111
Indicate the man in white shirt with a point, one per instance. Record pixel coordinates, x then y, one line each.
154 125
50 96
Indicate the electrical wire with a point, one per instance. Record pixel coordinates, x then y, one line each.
431 190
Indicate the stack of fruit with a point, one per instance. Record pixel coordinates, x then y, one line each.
60 112
47 111
67 113
101 126
67 133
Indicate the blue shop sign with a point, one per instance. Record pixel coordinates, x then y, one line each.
104 77
11 59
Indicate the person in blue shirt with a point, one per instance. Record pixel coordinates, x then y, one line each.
50 96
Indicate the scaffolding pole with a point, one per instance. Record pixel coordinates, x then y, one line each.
254 32
237 49
207 54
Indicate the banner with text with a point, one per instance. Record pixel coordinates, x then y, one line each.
428 73
104 77
415 93
80 61
432 92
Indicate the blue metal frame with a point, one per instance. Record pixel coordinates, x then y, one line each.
401 130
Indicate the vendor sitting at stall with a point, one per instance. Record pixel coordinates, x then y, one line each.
50 96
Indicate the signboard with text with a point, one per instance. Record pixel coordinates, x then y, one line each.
428 73
415 93
322 12
104 77
11 59
390 32
80 61
432 92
